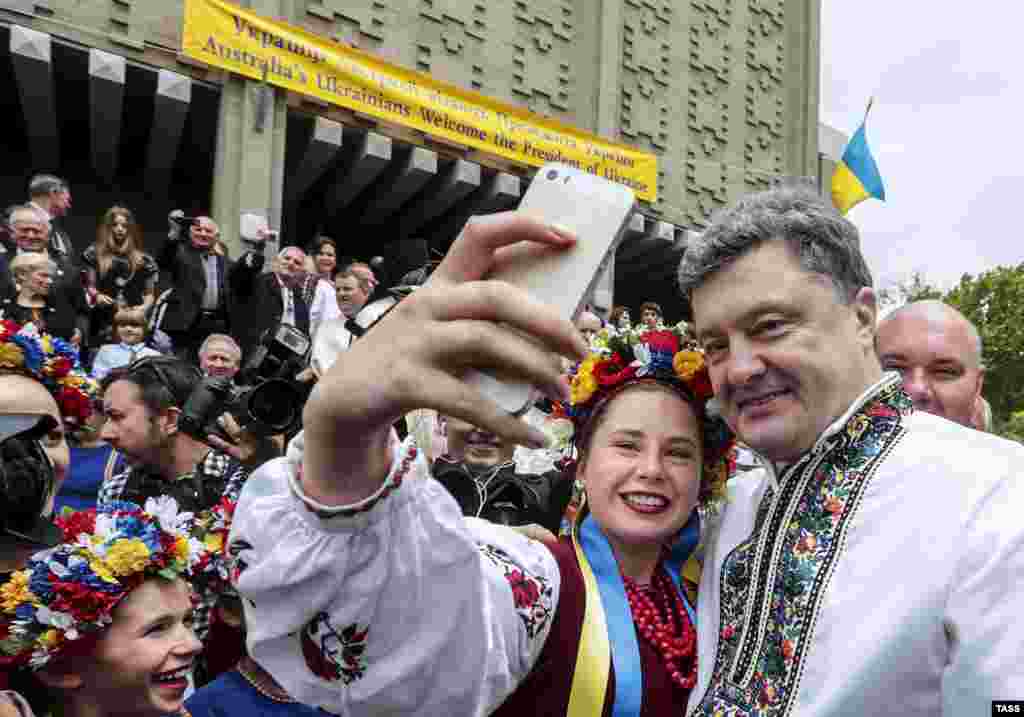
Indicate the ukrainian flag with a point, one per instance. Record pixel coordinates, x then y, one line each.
856 177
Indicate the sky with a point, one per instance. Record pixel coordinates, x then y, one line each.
945 130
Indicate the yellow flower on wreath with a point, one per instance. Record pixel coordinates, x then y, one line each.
16 591
584 383
127 556
11 356
687 363
50 639
181 548
214 542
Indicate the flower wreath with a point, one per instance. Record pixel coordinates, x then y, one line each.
619 358
54 363
60 603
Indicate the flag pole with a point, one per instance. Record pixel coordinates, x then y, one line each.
871 102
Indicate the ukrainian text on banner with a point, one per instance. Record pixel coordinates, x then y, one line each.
223 35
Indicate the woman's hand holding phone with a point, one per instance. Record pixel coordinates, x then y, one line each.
418 357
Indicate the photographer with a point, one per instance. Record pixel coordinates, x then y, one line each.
197 305
265 301
143 404
479 471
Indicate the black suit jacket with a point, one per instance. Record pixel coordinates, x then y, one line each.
182 264
255 302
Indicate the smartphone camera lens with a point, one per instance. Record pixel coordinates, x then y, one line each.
552 174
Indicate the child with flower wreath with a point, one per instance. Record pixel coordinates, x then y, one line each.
101 623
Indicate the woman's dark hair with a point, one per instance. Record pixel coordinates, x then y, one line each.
104 234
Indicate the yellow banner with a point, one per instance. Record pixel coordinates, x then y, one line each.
223 35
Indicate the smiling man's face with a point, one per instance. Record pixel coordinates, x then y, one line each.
475 447
786 356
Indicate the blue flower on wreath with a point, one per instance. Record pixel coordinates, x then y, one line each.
40 585
33 352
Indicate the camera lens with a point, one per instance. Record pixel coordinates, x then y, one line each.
552 173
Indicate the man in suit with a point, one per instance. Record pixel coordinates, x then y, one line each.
197 305
265 300
51 197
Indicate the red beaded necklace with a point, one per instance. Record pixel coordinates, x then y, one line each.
662 620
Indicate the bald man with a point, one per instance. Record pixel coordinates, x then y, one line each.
938 352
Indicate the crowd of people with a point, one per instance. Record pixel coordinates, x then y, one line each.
784 505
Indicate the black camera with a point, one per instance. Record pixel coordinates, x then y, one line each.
268 399
27 480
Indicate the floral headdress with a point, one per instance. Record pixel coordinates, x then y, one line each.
60 603
619 358
54 363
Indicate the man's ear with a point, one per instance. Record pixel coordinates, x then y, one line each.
865 312
169 420
442 425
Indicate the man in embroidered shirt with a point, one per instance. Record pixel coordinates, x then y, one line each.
938 353
874 566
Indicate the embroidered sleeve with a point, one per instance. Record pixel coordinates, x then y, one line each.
398 605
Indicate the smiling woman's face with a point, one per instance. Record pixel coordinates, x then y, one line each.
142 661
642 467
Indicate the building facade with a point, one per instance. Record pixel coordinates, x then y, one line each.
724 92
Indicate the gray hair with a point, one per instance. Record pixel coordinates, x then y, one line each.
224 339
20 211
820 238
27 262
43 184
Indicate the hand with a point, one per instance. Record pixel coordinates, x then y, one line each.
249 450
307 375
535 532
103 300
76 338
417 356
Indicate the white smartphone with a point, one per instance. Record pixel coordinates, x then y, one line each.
597 211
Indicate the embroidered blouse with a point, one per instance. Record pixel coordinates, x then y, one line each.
398 605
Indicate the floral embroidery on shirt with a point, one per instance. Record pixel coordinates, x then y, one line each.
772 585
331 655
532 595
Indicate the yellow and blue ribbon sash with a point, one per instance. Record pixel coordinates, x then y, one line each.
607 607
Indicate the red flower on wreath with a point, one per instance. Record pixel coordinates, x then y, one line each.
524 591
84 602
701 386
76 523
59 367
610 372
74 405
7 329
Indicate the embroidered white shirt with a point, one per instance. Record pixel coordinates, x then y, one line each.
922 612
404 608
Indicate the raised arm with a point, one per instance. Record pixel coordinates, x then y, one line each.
416 358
